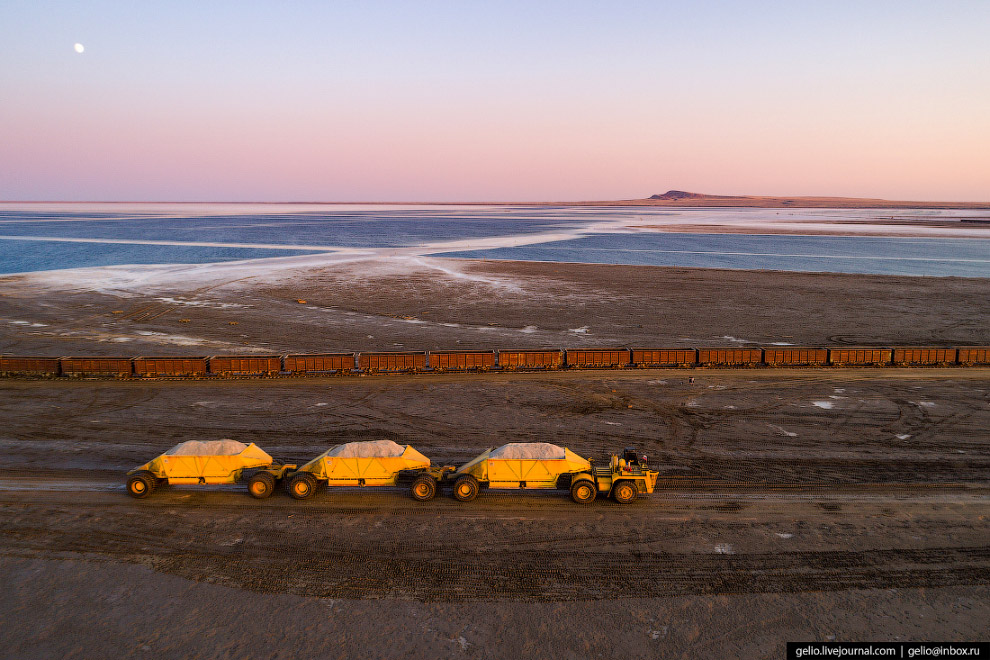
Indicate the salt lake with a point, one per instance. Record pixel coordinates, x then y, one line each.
51 237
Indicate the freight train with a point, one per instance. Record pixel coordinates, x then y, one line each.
459 361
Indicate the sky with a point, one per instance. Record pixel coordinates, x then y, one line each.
492 101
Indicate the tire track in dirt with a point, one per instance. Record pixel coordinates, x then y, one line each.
442 571
374 554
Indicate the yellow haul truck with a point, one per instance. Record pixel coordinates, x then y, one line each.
547 466
373 463
197 462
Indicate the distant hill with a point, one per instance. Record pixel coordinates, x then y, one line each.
679 194
683 198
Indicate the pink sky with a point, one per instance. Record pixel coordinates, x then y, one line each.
470 104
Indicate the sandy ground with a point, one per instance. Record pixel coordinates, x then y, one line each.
793 505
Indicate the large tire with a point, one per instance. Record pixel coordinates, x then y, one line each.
424 488
584 491
261 485
303 486
624 492
141 485
465 488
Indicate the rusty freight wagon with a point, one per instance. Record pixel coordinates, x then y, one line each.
597 358
245 365
795 357
859 356
512 360
395 362
974 355
664 357
726 357
320 363
119 367
28 366
926 355
462 360
152 367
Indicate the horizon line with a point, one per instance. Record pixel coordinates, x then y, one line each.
694 200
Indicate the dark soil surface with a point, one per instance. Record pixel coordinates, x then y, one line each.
822 493
792 504
430 304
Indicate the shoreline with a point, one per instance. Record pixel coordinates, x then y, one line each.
755 203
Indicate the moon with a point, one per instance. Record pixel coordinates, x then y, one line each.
79 48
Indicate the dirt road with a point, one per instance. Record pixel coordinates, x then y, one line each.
792 505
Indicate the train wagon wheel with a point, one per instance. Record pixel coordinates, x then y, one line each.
624 492
583 492
465 488
424 488
302 486
141 485
261 485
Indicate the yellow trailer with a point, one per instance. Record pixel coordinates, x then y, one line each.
197 462
371 463
517 465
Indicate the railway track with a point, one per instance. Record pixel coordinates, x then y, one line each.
784 377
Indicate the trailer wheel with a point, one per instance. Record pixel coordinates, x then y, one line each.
424 488
141 485
624 492
584 491
465 488
302 486
261 485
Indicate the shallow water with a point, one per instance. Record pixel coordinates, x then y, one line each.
51 237
834 254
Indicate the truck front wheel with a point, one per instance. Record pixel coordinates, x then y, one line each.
583 492
624 492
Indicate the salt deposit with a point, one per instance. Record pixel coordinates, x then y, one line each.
537 450
782 431
225 447
367 449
